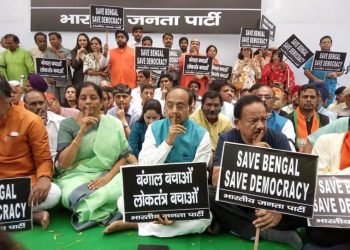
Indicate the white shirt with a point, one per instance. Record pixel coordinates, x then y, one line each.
227 110
288 130
151 154
52 127
135 94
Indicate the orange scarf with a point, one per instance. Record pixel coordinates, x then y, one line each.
345 152
300 124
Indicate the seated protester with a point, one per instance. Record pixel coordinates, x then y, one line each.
209 117
343 109
151 111
25 152
54 106
322 100
333 152
275 121
339 98
252 90
174 139
227 94
293 100
35 101
36 82
340 125
107 99
165 83
146 93
143 78
280 101
195 86
243 92
70 97
251 129
127 114
91 149
305 119
16 93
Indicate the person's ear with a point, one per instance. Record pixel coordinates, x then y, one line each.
236 122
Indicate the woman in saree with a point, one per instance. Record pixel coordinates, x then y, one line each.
91 147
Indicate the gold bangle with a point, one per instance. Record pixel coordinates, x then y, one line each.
75 142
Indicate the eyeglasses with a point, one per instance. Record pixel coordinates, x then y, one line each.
266 97
179 106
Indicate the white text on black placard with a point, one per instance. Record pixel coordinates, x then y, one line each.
15 213
254 38
267 178
221 72
197 65
52 68
151 58
178 191
332 202
266 24
296 51
174 58
329 61
106 17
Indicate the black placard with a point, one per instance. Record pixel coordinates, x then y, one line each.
106 17
268 178
52 68
296 51
151 58
221 72
329 61
266 24
254 38
179 191
197 65
15 214
332 202
174 58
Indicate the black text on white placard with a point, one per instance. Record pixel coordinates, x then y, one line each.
52 68
15 213
332 202
197 65
106 17
267 178
151 58
178 191
329 61
296 51
254 38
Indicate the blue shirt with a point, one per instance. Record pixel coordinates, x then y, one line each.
275 139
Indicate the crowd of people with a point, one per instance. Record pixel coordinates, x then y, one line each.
83 129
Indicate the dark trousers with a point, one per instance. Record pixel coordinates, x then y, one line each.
239 219
327 237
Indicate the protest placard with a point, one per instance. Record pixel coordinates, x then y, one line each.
295 50
174 58
197 65
178 191
266 24
254 38
329 61
15 213
332 202
106 17
151 58
266 178
52 68
221 72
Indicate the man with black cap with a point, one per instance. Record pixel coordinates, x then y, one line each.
122 61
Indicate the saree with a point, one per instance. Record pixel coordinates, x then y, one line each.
100 148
